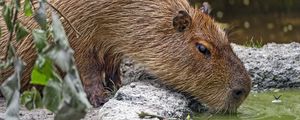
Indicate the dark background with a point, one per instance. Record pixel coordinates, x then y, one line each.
257 20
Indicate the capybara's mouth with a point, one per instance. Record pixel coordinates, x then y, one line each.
230 107
227 104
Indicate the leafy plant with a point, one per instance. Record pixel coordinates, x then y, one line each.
63 95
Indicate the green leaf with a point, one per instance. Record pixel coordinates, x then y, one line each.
27 8
31 99
38 78
40 39
42 71
7 15
62 58
75 103
11 91
59 34
21 32
2 2
17 4
6 64
41 16
53 95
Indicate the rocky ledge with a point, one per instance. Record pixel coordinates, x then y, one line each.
272 66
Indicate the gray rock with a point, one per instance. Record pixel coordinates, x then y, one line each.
129 102
272 66
142 92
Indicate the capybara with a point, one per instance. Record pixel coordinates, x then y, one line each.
182 46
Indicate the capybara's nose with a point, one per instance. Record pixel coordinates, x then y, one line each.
238 93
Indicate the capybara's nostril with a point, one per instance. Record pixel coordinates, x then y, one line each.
238 93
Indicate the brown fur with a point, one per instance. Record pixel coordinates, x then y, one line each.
144 31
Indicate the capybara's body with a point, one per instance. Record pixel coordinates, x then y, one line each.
177 43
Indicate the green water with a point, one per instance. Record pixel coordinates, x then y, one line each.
259 106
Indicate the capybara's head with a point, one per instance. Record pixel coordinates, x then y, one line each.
201 62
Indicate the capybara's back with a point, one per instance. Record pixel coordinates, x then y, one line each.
179 44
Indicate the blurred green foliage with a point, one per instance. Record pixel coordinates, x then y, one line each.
246 7
254 43
63 95
270 20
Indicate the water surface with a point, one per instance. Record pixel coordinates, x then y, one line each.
259 106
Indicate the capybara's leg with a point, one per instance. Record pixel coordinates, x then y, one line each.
91 70
94 89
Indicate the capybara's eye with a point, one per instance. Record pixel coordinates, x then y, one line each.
201 48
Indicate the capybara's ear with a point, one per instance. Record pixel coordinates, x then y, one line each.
182 21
